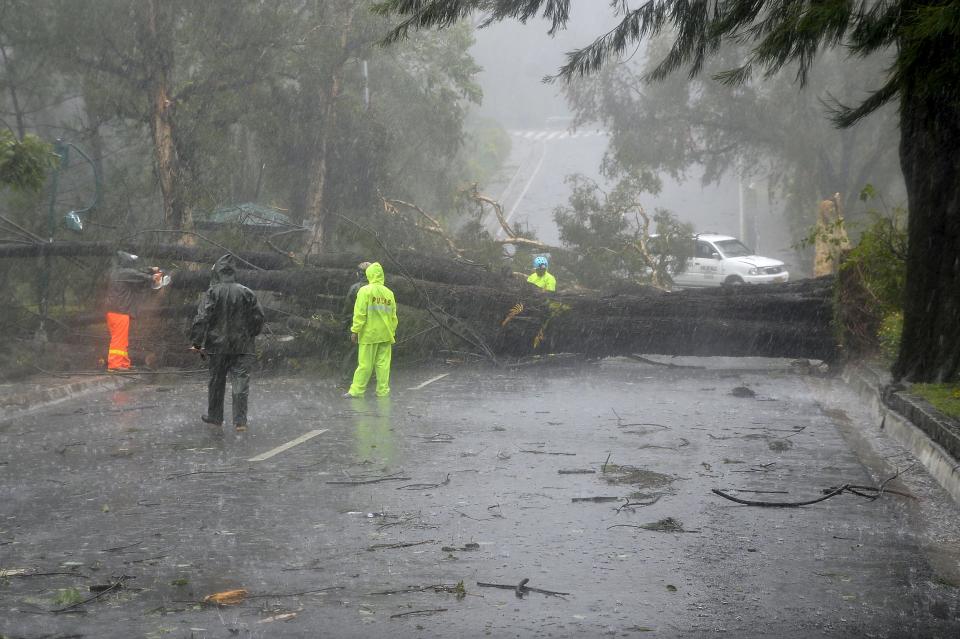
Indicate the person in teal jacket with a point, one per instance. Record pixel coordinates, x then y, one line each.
374 330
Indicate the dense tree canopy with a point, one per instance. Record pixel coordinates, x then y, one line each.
923 78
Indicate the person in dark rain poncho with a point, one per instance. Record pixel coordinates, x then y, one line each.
228 319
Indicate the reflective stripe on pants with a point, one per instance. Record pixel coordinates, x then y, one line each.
119 326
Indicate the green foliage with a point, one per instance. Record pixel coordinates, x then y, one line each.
778 33
68 597
888 335
871 284
24 163
611 234
765 128
944 397
880 259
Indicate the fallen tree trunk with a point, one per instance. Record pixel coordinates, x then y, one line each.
416 265
790 320
502 317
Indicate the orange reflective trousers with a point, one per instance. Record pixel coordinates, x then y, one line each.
119 326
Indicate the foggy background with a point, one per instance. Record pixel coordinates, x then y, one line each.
515 58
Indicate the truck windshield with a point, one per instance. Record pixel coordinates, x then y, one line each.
733 248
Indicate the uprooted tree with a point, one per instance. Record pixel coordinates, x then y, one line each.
495 315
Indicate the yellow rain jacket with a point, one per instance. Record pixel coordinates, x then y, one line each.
375 311
547 282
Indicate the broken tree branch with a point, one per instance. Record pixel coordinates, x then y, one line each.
522 587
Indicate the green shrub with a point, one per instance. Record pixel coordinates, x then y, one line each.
871 283
888 335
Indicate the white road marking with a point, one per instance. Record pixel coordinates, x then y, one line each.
290 444
526 187
554 134
429 381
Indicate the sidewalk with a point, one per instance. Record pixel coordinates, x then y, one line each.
911 421
20 398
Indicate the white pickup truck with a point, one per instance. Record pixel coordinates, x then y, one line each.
722 260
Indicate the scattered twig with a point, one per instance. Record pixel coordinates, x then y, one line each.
145 559
890 479
401 545
204 472
604 468
118 548
643 424
596 500
425 486
780 504
668 525
431 611
576 471
277 595
42 574
768 492
116 585
853 488
827 494
656 363
544 452
375 480
451 588
524 588
630 504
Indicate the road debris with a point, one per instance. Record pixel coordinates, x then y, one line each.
522 588
545 452
112 588
374 480
668 525
400 545
287 616
425 486
419 613
226 597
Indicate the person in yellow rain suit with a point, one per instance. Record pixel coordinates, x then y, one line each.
374 330
540 277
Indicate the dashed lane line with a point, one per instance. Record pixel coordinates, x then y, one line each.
290 444
429 381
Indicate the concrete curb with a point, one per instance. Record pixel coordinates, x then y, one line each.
22 403
930 436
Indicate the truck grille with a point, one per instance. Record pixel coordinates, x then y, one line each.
773 270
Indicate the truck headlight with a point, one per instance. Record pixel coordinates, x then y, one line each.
754 271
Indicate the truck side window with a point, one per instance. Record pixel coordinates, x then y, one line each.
704 250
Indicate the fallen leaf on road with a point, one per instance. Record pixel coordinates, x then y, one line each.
227 597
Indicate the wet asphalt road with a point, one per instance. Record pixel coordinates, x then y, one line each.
130 486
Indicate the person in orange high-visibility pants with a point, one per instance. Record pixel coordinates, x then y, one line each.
118 357
126 279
